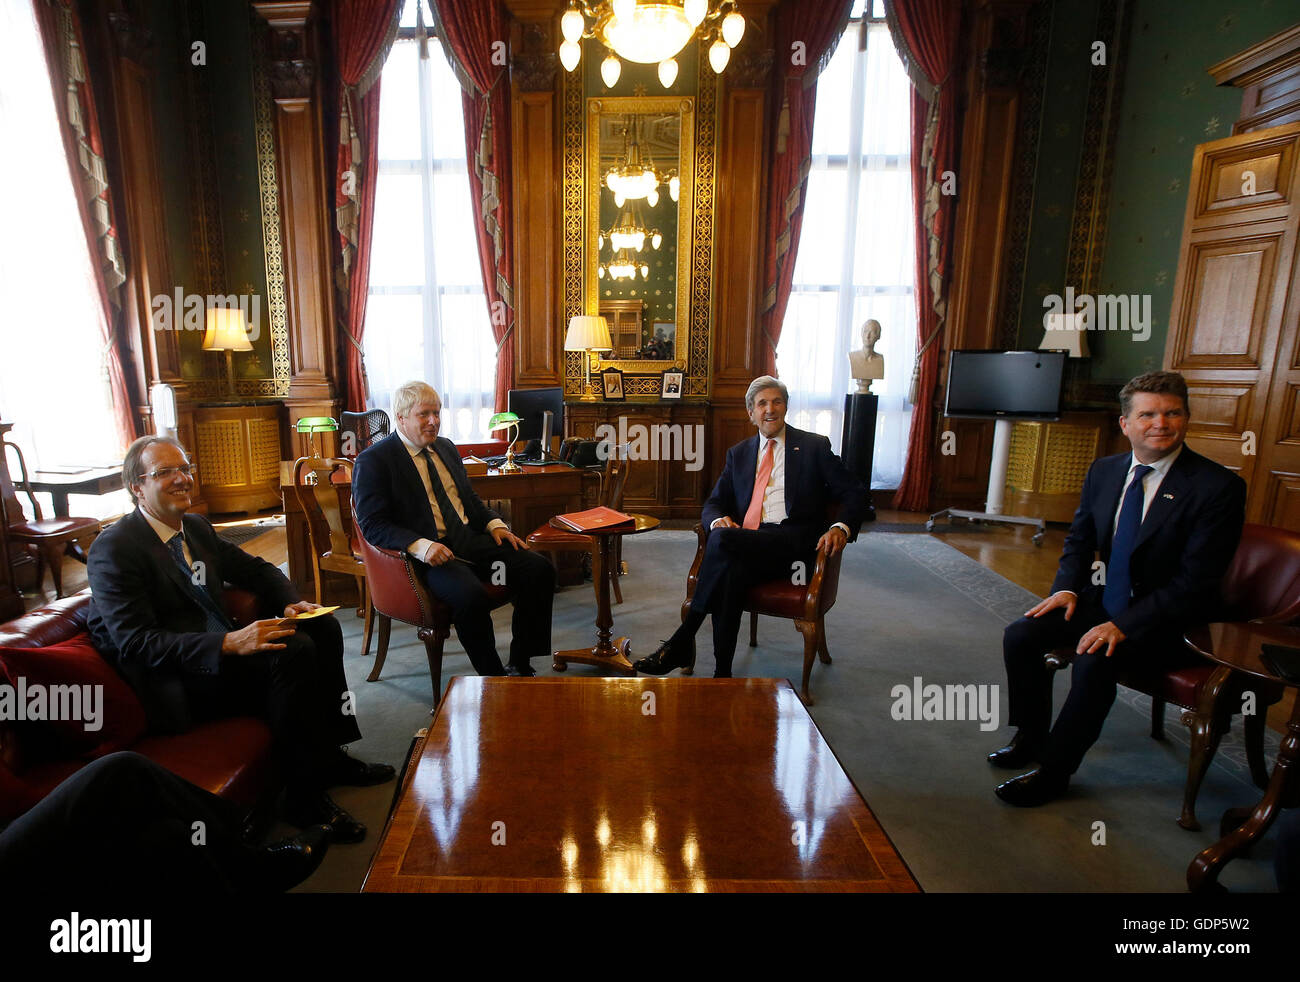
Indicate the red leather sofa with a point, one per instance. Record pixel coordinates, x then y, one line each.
49 645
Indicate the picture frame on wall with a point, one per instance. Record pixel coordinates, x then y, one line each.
672 384
612 385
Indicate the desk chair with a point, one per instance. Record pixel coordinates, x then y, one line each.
805 605
1262 584
366 428
552 540
324 505
47 538
398 593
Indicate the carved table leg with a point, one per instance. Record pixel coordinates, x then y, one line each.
606 653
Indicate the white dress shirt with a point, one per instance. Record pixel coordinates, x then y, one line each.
419 547
167 533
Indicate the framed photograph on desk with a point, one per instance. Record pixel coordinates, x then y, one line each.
613 385
671 384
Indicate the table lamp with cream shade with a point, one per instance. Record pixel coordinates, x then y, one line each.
588 334
227 331
1066 332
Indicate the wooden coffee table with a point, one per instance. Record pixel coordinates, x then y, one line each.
630 785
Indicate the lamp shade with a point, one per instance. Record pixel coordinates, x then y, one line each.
588 334
1066 332
317 424
227 330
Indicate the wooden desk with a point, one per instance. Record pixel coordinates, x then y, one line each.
96 481
728 786
532 496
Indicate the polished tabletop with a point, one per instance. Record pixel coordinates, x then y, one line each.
640 523
636 784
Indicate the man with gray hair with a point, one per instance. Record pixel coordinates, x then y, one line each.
157 612
412 494
783 497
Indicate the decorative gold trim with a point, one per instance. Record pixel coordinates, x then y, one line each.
269 190
573 123
634 106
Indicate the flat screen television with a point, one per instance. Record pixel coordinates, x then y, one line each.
1005 384
530 404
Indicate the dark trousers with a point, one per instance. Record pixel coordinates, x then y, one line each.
736 560
124 826
1093 680
298 690
529 580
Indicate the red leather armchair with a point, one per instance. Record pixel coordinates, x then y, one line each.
1262 584
228 757
398 593
806 605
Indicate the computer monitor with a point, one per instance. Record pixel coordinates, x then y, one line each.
531 406
1005 384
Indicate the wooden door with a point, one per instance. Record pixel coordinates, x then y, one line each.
1232 325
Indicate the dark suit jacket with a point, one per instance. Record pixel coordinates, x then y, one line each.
145 618
814 477
390 499
1186 541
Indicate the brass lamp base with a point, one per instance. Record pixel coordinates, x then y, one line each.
508 466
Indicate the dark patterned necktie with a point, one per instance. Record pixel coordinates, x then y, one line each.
450 518
1119 582
217 620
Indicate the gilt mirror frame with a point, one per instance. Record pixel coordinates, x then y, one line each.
581 194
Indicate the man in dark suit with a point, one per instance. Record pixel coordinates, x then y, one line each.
412 494
1165 522
767 513
156 580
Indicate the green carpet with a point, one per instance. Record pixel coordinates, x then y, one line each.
908 606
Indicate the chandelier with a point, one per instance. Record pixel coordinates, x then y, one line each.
650 32
630 232
623 266
635 177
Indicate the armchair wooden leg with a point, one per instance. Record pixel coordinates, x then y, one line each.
370 619
822 651
54 556
40 568
1253 734
1157 719
809 631
433 651
381 652
318 575
753 629
1206 733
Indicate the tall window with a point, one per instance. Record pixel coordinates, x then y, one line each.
427 316
856 258
53 377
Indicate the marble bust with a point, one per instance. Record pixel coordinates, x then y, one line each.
865 365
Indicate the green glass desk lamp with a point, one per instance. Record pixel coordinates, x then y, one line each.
503 421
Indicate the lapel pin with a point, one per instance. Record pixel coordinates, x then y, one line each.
1167 495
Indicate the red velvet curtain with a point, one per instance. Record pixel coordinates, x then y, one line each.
476 33
806 32
61 36
929 31
363 33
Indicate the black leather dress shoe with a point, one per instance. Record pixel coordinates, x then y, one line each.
667 657
521 671
357 773
283 865
1038 787
321 809
1020 752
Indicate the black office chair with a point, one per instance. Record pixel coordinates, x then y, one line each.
366 428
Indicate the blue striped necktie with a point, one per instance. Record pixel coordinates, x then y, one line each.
217 620
1119 581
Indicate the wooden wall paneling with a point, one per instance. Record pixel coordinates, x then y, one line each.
535 132
1228 322
304 198
1268 73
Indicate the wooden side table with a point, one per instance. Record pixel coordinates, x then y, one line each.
1237 645
237 448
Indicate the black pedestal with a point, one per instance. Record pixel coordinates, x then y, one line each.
858 443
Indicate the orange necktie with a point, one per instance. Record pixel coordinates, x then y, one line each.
755 513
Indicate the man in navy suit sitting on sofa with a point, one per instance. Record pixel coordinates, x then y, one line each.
412 495
766 513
